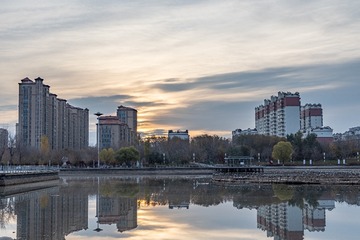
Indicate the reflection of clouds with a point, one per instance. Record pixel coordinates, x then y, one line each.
198 223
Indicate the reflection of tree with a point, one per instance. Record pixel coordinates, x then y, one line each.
152 191
208 195
7 211
283 192
119 189
252 196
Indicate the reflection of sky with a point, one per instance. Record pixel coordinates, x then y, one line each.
341 223
216 222
9 230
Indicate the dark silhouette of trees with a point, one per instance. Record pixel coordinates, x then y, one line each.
209 149
305 148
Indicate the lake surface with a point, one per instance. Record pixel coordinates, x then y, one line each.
179 208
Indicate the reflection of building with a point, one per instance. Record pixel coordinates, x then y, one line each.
41 113
48 214
121 211
283 221
314 217
173 205
184 135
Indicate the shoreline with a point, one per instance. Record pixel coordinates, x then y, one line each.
344 175
295 175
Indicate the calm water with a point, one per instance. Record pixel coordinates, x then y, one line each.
180 208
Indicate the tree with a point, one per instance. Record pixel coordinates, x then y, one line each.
297 142
108 156
312 148
127 155
282 151
209 149
178 151
44 149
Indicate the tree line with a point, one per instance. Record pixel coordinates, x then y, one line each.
207 149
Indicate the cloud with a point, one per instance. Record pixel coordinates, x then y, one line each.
168 59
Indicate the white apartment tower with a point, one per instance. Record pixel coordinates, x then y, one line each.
279 115
41 113
311 116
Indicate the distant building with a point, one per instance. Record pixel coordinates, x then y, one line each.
283 114
311 116
323 134
113 133
128 116
4 139
352 134
279 115
41 113
184 135
240 132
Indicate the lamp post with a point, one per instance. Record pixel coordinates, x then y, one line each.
98 114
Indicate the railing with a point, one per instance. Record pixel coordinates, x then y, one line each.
27 169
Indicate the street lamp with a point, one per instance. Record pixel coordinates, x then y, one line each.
98 114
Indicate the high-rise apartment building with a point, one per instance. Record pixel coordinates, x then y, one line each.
41 114
113 133
4 136
311 116
129 116
279 115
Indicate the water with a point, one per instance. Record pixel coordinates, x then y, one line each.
179 208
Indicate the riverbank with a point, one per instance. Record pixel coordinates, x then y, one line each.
343 175
137 171
17 182
340 175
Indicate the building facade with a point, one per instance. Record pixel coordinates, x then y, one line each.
4 137
128 116
311 116
113 133
240 132
283 114
184 135
279 115
41 114
323 134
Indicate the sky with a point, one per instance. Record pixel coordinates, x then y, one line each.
197 65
